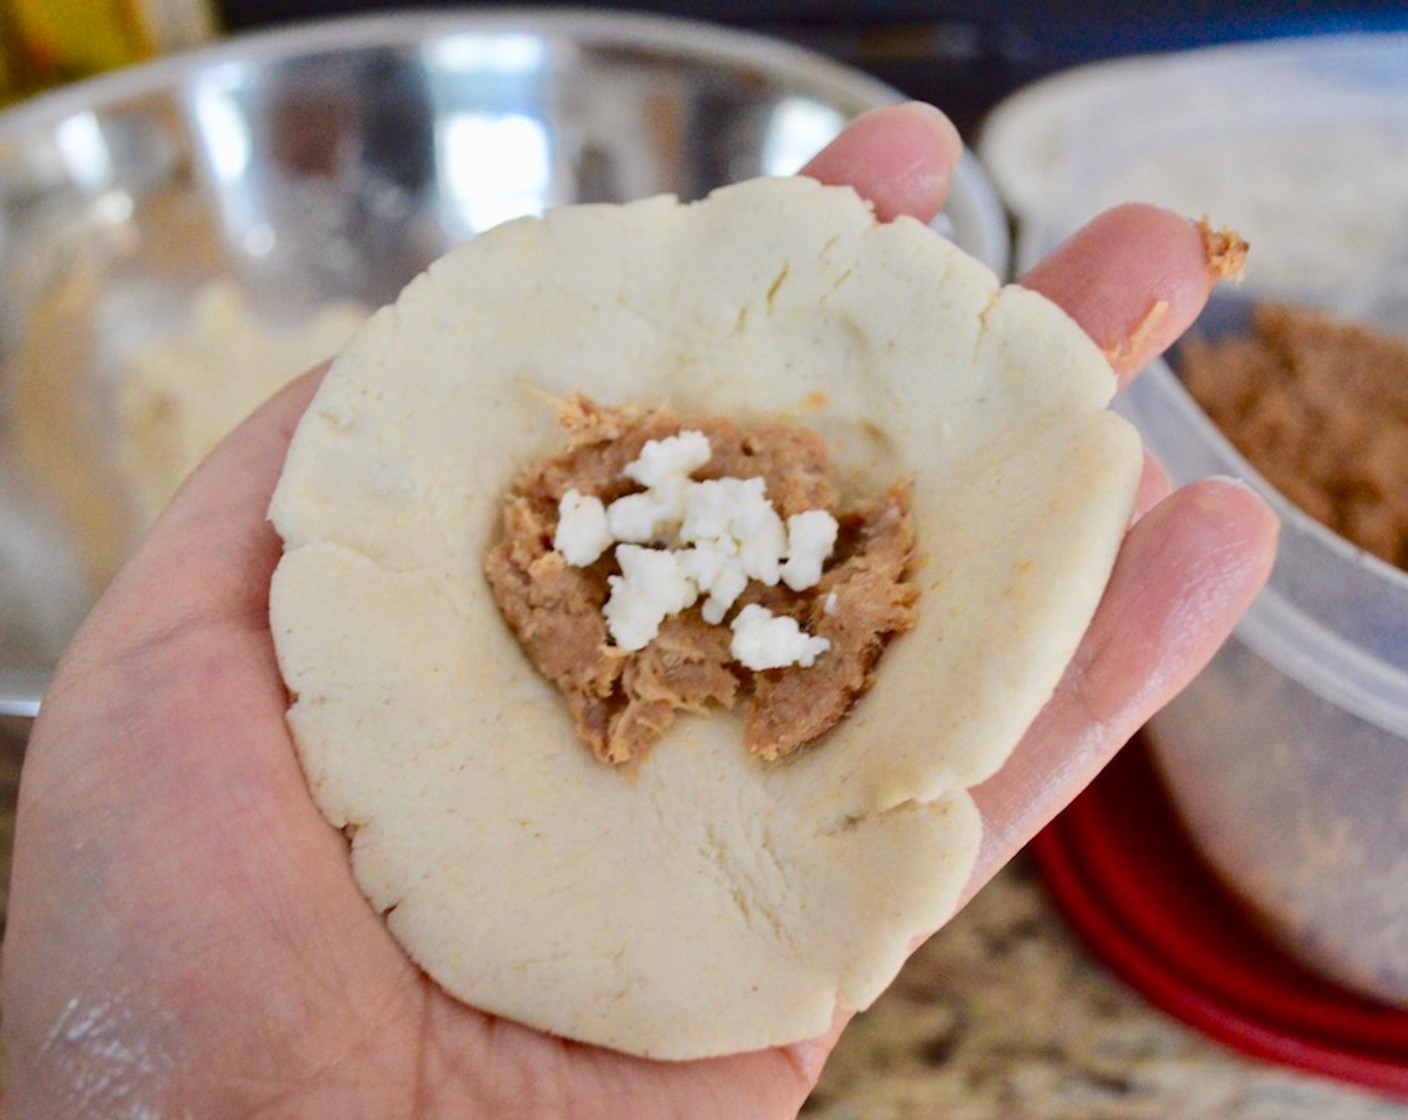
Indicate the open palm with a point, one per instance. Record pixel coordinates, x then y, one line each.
186 938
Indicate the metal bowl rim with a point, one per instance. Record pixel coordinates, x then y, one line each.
696 39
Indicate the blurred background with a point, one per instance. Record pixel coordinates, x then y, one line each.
965 55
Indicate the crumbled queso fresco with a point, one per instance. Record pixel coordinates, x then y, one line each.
713 537
659 567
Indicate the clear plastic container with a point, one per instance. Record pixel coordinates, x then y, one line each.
1287 758
1299 144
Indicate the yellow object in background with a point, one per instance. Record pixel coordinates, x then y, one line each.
47 42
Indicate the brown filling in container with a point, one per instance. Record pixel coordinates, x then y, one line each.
1319 407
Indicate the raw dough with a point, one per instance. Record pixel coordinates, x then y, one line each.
710 903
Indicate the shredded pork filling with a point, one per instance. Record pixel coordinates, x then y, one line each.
621 701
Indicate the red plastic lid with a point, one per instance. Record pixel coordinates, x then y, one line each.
1122 870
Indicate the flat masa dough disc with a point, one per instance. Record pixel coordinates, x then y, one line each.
707 903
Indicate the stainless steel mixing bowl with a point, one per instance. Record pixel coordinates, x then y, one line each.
328 161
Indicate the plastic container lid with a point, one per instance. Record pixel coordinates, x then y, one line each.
1122 870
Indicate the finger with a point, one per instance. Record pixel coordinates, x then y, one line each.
245 466
1154 486
899 157
1188 570
1135 278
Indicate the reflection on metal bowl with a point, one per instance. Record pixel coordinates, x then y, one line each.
330 162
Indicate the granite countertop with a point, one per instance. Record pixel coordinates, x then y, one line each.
1004 1014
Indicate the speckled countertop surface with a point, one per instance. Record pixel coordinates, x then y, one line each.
1005 1015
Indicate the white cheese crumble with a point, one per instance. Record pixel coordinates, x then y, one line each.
718 575
763 640
672 457
713 537
651 515
583 533
651 587
811 535
734 516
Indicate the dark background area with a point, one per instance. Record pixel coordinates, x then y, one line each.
963 56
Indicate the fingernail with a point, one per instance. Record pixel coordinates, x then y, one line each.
933 112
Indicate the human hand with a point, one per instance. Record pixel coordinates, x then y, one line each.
185 937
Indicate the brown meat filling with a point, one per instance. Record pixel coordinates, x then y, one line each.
1320 407
1225 250
622 702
